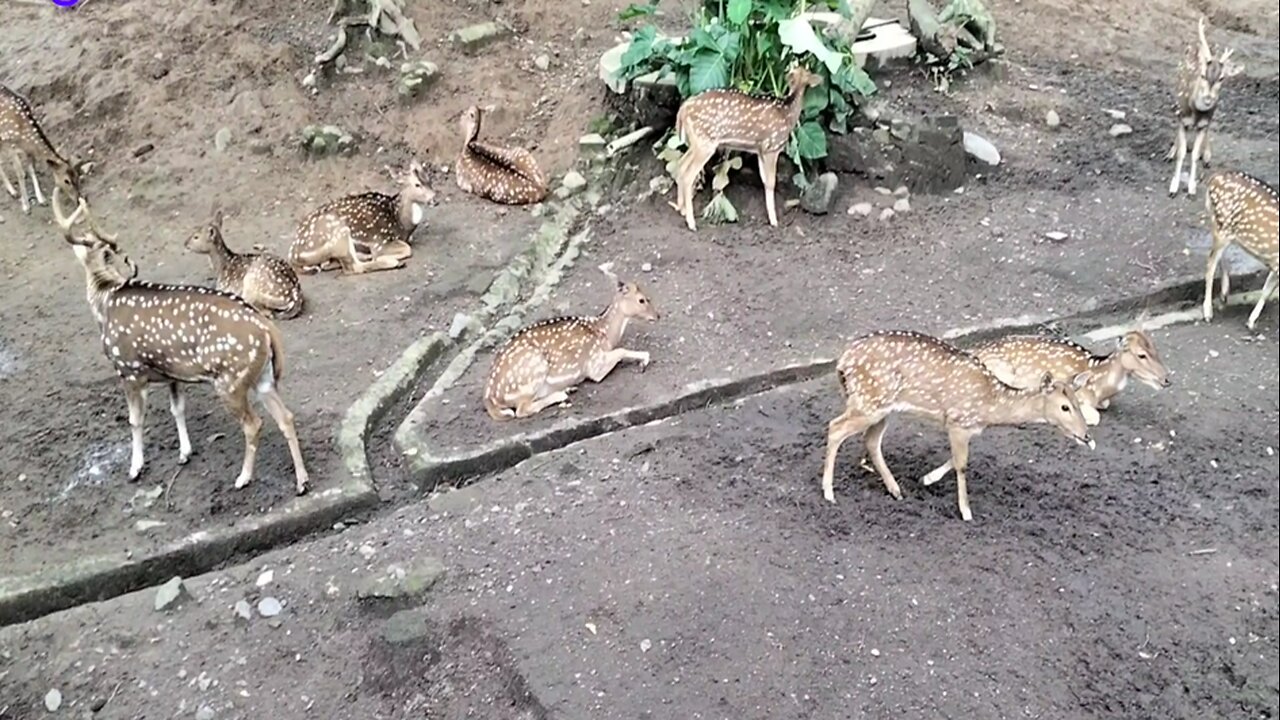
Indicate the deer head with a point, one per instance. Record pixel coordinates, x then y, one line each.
1212 71
95 252
208 238
629 298
1062 409
1138 356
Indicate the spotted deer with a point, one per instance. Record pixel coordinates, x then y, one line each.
1021 361
904 372
1243 211
732 120
179 334
540 365
1200 77
265 281
365 232
508 175
24 144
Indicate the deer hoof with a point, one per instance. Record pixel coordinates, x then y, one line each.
302 486
242 481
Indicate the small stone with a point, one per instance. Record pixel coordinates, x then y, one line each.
269 607
168 593
816 198
144 525
901 191
1056 235
1051 119
645 644
863 209
875 652
366 551
405 627
646 267
204 712
573 181
883 191
538 210
53 700
1120 130
222 139
902 205
265 578
243 610
143 149
1115 114
542 62
462 323
886 214
409 583
474 37
592 141
981 148
258 146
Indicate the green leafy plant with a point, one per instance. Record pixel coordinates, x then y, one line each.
748 45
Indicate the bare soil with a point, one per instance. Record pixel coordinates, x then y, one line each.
690 568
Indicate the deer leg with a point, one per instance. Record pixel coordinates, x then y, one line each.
1268 287
1091 415
1196 148
1180 144
237 401
937 473
528 405
1215 256
840 429
397 249
697 160
960 459
600 369
22 183
284 420
871 439
1173 150
353 265
178 406
135 394
35 183
769 175
8 184
1207 157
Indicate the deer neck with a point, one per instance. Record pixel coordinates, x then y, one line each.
1015 407
100 285
1107 377
406 215
613 323
220 256
795 104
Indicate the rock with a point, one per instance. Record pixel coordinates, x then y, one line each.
886 214
145 524
1056 236
816 198
53 700
1051 119
474 37
366 551
901 191
458 501
416 76
265 578
645 644
204 712
1115 114
542 62
222 139
1120 130
863 209
902 205
258 146
405 627
462 323
168 593
573 181
981 148
243 610
269 607
592 141
646 267
926 154
143 149
401 583
883 191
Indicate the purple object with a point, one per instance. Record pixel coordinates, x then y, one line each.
65 3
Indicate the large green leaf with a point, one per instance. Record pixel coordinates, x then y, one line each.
798 34
853 79
707 70
640 49
815 101
777 10
739 11
636 10
811 141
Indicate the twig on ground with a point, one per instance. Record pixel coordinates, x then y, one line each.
1203 551
169 486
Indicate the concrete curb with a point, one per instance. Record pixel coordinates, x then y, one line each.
428 469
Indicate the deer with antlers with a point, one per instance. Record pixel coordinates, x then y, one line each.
180 334
23 143
1200 77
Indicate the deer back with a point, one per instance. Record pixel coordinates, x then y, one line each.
185 333
1022 360
556 350
372 218
1246 211
736 120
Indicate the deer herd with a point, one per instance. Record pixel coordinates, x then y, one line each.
176 335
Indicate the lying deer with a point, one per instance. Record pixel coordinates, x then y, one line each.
24 144
732 120
1200 77
540 365
508 175
366 232
1021 361
1242 211
178 334
265 281
890 372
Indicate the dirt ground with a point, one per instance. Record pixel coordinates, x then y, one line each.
690 568
1050 605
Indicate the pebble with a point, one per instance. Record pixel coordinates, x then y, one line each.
204 712
875 652
884 191
222 139
646 267
1115 114
573 181
366 551
1120 130
1051 119
168 593
1056 235
902 205
542 62
53 700
645 644
269 607
265 578
243 610
886 213
863 209
901 191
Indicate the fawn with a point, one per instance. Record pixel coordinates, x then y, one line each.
179 334
22 139
365 232
733 120
508 175
265 281
1021 361
894 371
1200 77
1243 211
540 365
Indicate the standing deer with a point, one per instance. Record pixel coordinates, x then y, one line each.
177 334
1200 77
890 372
265 281
540 365
1021 361
23 143
733 120
366 232
1243 211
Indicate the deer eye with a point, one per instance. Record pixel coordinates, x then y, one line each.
1142 356
644 301
1066 408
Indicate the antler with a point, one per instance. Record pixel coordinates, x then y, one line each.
607 269
82 211
1205 52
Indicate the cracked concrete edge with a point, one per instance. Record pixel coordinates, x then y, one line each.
428 469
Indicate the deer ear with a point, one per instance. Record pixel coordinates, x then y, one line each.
1046 381
1078 382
